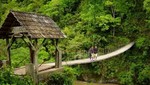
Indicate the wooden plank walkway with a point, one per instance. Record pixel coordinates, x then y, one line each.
48 67
22 70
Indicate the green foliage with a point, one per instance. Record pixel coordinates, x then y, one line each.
144 76
20 56
6 7
63 78
31 5
8 78
107 21
140 42
126 78
108 24
147 5
43 55
136 75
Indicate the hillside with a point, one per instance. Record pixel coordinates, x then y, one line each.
108 24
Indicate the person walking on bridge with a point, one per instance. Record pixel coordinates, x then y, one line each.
90 52
95 51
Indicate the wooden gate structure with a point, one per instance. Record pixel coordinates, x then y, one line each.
31 27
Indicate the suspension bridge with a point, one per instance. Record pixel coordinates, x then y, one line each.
45 68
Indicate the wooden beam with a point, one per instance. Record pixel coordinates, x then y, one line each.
40 45
60 59
36 52
58 56
25 42
8 52
33 60
9 44
29 42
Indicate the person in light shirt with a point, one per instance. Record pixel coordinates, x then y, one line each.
93 52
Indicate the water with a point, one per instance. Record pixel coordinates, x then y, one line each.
86 83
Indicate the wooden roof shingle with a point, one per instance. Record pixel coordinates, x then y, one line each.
34 25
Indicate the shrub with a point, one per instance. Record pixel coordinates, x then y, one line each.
8 78
144 76
62 78
125 78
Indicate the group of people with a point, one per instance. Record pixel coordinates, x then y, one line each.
93 52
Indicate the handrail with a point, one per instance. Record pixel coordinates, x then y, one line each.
99 58
46 67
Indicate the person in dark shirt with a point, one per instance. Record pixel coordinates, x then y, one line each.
90 52
93 52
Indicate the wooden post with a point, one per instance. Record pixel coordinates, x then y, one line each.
60 59
32 54
9 44
57 56
56 53
34 63
8 51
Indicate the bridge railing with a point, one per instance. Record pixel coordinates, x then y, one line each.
81 54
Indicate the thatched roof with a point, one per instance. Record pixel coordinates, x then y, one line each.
31 24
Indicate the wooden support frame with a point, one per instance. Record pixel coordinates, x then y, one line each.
9 44
33 59
34 48
18 30
31 44
58 60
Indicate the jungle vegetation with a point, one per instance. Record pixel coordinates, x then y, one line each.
108 24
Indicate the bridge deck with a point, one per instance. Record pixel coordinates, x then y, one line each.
43 67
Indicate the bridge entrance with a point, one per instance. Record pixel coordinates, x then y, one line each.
31 27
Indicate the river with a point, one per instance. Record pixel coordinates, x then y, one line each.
86 83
